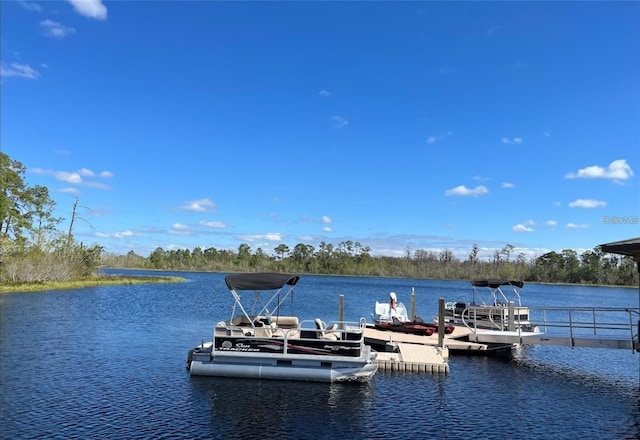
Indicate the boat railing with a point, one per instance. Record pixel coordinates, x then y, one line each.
290 328
470 320
510 317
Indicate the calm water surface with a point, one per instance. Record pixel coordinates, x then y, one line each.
109 362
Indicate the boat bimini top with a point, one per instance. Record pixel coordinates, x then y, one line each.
259 282
498 297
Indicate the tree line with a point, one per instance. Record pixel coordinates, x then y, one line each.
352 258
33 249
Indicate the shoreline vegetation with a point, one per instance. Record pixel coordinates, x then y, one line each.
92 281
115 280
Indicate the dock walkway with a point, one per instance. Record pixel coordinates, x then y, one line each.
414 358
416 353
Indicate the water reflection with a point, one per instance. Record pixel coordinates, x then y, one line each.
268 408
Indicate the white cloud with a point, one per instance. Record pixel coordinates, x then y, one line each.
517 140
324 219
507 185
55 29
492 30
65 176
201 205
75 177
213 224
577 226
69 191
179 229
86 172
434 139
324 93
340 121
327 229
462 190
587 203
123 234
521 228
551 223
97 185
618 170
90 8
270 236
31 6
19 70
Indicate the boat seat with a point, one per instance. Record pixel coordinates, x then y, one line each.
241 320
286 321
381 311
326 333
285 325
281 332
264 331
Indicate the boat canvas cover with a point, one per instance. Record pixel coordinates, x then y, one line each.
494 284
260 281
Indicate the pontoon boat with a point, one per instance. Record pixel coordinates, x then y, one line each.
268 345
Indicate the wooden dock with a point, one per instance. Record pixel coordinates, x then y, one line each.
414 358
415 353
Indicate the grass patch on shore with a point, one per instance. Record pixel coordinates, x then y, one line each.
99 280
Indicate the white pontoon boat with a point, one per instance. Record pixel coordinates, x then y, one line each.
270 346
494 310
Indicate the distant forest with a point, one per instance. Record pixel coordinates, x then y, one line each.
351 258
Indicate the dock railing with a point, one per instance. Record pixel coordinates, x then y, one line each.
595 323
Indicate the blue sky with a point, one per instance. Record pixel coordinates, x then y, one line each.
398 125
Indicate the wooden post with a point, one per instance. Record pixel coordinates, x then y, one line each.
413 304
441 322
341 311
512 326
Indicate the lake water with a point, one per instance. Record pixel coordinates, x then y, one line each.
109 362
